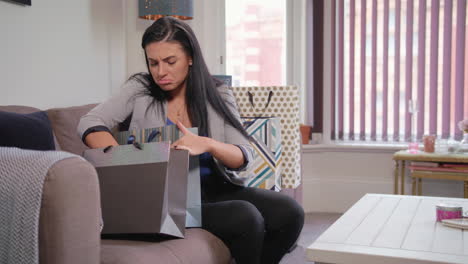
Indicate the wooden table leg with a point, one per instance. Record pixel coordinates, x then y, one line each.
402 173
419 186
395 172
413 186
465 192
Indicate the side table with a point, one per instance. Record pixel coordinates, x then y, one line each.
403 157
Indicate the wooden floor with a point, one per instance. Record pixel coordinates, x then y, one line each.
315 224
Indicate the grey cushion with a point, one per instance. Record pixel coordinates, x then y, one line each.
18 109
64 122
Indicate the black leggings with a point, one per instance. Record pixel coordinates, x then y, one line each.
257 225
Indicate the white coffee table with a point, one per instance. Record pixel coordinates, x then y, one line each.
391 229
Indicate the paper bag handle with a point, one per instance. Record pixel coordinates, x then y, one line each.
106 149
135 144
131 140
153 135
252 104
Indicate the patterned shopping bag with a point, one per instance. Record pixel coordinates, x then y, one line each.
281 102
266 141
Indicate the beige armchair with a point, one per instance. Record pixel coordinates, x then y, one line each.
70 212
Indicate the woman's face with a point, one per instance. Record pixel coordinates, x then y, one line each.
168 64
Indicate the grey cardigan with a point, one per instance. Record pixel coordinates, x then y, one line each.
130 100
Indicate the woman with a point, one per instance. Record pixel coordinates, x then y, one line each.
258 226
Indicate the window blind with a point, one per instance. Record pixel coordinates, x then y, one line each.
388 52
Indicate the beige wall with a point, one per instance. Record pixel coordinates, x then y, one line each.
207 21
60 52
335 177
64 52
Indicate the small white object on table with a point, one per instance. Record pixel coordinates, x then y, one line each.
392 229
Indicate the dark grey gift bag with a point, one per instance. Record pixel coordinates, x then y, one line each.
143 188
172 133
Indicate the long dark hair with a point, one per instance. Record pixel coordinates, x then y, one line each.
201 86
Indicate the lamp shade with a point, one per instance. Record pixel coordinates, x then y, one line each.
155 9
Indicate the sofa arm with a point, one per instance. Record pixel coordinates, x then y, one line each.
69 221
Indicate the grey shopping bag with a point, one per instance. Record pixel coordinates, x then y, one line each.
172 133
143 188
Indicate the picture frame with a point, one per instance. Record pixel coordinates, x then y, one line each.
20 2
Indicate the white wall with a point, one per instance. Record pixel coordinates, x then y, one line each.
208 24
207 19
135 27
60 52
64 52
334 177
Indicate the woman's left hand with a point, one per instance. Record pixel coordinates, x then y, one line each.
195 144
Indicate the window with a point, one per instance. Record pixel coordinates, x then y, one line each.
389 52
256 42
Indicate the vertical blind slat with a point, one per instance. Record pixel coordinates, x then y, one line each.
385 73
421 68
374 72
433 67
340 68
446 68
362 133
333 67
352 24
409 66
396 91
460 64
310 65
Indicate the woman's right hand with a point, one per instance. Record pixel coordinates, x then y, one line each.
100 139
